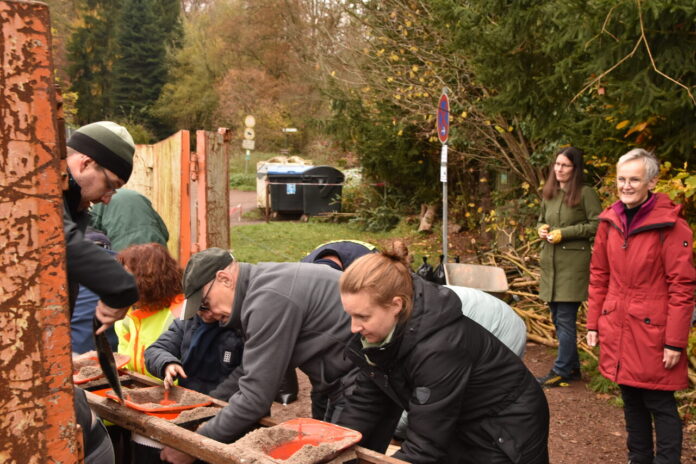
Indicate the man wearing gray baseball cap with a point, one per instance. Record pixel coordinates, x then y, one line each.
290 315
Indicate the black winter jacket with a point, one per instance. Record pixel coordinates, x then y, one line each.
469 398
93 267
89 264
209 354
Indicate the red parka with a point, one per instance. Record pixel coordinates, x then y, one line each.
641 295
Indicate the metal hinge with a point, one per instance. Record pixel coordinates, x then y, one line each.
193 169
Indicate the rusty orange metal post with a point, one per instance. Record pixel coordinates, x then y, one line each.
185 199
202 193
37 421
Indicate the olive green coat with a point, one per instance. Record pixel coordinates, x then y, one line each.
565 266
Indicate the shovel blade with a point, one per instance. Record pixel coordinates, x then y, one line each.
106 359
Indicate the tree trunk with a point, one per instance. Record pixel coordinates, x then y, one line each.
427 217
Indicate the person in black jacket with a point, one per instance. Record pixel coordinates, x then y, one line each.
200 353
469 398
100 160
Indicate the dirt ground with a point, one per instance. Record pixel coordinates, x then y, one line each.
585 427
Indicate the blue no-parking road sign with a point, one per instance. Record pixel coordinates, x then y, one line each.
443 125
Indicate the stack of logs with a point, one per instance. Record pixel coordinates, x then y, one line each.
521 266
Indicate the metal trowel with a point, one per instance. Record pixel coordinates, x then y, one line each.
106 359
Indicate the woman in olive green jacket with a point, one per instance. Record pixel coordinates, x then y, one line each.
567 223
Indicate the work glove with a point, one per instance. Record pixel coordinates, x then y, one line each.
554 236
543 231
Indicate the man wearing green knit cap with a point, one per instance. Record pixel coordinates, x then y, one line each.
100 160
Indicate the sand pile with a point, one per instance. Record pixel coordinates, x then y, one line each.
254 447
150 397
195 414
87 368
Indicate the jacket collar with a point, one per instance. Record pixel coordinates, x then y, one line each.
640 215
73 196
658 211
434 307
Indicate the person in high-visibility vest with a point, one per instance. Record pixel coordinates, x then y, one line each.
159 282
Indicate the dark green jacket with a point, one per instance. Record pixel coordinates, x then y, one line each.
565 266
129 219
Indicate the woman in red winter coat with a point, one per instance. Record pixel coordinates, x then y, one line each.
641 297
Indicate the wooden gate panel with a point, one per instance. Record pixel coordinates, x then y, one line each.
213 214
159 171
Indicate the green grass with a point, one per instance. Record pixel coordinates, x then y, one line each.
596 381
291 241
241 181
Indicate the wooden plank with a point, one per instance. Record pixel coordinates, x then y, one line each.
368 456
163 431
217 188
166 186
152 427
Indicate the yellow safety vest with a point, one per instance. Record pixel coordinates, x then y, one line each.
140 328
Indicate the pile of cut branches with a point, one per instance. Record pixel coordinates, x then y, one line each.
521 266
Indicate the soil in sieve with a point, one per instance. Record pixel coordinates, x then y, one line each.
150 397
255 446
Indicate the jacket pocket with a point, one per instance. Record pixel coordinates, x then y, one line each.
576 245
606 315
649 311
502 439
644 339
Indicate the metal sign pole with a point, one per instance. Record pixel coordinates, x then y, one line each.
443 179
248 143
443 127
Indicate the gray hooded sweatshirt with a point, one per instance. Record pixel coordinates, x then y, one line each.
290 315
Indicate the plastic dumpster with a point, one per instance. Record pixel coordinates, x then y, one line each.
325 196
286 195
272 164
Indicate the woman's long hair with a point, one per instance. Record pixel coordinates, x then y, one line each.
384 276
573 188
156 273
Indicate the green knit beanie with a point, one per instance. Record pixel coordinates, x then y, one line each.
107 143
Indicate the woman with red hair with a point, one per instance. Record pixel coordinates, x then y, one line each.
158 277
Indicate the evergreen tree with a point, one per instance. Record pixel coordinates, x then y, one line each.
169 14
139 70
90 54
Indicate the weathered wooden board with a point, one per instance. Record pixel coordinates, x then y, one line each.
190 442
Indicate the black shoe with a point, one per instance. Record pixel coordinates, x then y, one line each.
553 379
575 374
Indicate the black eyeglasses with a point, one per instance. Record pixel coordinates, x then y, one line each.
204 300
109 184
